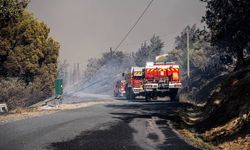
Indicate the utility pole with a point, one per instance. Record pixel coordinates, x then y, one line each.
78 75
111 52
188 65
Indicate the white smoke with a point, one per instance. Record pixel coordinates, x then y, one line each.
103 81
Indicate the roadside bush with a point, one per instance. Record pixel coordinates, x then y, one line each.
14 92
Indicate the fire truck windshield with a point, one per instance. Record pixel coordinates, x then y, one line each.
137 77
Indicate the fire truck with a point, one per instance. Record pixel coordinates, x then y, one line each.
119 89
162 79
134 82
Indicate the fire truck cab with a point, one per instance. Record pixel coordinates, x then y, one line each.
134 82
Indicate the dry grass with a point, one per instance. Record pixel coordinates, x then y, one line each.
20 110
241 143
195 140
191 137
232 135
235 125
226 122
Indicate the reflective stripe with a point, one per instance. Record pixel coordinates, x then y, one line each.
137 73
162 69
149 70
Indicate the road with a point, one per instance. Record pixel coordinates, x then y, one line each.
119 124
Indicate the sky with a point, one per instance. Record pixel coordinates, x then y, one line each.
87 28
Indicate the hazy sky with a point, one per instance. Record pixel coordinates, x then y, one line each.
87 28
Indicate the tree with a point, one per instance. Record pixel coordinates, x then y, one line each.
229 22
26 50
148 52
180 52
141 56
203 56
94 64
11 10
155 47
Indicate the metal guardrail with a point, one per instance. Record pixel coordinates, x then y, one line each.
42 103
4 108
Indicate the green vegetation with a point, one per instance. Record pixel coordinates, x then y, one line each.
27 54
229 23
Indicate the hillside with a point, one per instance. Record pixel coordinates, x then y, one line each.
225 119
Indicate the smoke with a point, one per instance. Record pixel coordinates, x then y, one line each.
103 81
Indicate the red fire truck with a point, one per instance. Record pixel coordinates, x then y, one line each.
119 89
134 82
162 79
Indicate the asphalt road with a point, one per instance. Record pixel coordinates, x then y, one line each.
118 125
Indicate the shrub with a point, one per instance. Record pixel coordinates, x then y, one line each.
13 92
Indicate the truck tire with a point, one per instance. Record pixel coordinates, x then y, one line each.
147 96
154 95
127 96
174 95
155 98
127 92
132 96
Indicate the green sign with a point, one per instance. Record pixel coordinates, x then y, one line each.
58 86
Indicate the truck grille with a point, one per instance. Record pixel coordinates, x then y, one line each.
151 86
163 85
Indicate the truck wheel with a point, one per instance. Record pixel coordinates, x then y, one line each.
155 98
147 97
177 98
131 95
127 95
173 95
174 98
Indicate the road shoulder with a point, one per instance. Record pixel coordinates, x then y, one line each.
25 113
